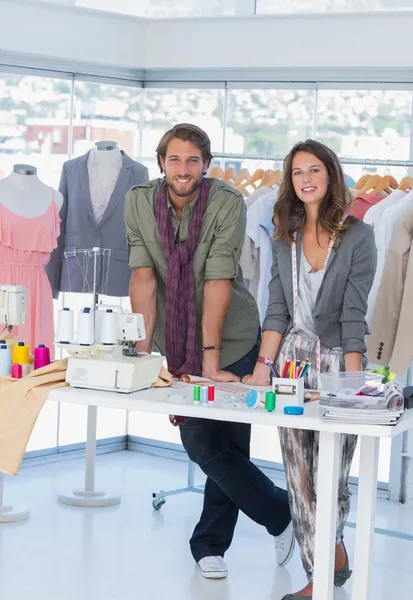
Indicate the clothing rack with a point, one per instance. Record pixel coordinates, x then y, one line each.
365 162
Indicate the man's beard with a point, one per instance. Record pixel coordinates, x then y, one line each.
183 193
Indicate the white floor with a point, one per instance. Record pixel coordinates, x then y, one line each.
131 551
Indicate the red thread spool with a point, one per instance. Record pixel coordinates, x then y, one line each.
211 393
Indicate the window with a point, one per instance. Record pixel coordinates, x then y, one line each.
164 108
164 8
322 6
267 122
105 112
366 124
34 124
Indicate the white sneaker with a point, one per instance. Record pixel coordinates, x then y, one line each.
284 545
213 567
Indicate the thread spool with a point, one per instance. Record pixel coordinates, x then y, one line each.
65 326
25 370
109 327
204 395
85 334
270 401
41 356
16 371
21 354
5 361
197 393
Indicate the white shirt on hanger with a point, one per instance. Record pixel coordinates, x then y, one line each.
374 214
102 181
383 234
249 260
260 229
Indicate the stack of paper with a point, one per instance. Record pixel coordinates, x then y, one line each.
359 409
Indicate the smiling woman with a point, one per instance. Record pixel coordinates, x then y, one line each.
323 269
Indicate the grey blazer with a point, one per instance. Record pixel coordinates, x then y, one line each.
79 230
341 305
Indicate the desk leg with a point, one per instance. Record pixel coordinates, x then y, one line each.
326 515
366 512
88 496
9 513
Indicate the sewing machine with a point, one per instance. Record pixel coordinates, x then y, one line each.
118 368
13 305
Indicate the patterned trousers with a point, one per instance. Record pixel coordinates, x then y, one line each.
300 453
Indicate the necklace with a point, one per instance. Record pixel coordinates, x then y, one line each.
315 260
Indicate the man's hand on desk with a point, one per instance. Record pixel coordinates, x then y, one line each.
211 370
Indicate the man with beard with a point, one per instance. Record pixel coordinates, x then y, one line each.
185 233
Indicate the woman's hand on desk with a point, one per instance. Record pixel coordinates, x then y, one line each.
260 376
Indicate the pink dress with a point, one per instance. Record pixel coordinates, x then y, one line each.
25 247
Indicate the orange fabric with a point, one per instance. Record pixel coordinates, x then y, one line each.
21 401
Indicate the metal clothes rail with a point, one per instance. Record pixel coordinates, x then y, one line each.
365 162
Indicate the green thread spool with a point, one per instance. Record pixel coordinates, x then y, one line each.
197 393
270 401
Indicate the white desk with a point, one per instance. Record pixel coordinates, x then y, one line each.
167 401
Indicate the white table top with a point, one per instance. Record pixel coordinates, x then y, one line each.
179 402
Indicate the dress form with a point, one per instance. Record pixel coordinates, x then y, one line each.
24 194
29 228
104 165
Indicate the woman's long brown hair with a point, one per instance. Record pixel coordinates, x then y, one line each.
289 212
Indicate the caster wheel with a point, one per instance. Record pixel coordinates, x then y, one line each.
157 503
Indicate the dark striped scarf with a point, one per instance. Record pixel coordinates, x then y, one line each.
181 344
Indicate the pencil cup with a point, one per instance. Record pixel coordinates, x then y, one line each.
289 392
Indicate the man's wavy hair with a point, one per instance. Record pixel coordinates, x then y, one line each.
289 212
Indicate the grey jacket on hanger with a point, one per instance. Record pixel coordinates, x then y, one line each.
79 230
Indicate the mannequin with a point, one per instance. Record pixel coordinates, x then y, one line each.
29 228
24 194
94 187
103 165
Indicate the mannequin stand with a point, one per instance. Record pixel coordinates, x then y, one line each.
8 513
89 497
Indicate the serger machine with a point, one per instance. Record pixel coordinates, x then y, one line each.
102 352
13 305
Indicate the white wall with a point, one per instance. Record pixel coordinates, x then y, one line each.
330 40
363 40
67 33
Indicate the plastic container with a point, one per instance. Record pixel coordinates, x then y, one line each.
349 382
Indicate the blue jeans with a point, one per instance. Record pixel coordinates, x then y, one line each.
222 450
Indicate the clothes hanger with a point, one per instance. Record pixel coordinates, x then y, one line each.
369 185
242 177
229 175
216 173
271 178
252 182
406 183
386 184
362 181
